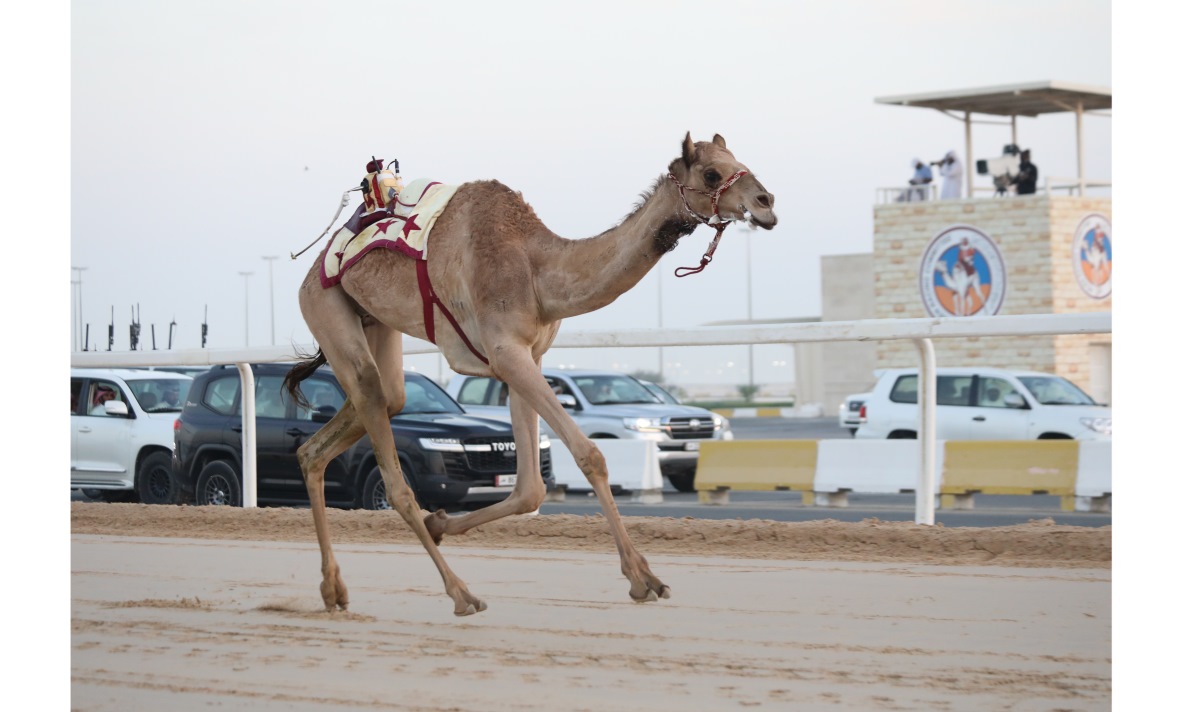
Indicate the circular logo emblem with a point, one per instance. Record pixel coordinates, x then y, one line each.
962 274
1092 256
694 423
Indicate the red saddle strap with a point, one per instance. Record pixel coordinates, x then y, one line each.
428 295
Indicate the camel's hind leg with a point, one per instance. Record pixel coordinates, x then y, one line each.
372 399
517 369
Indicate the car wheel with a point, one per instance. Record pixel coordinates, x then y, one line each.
902 435
155 481
92 493
683 482
852 431
374 491
218 484
602 436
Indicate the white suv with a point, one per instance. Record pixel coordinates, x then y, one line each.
121 433
607 404
986 404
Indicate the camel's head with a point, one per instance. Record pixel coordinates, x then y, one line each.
707 167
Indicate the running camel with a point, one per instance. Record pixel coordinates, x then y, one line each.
505 282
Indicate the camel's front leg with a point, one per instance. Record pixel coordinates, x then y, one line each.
517 369
529 490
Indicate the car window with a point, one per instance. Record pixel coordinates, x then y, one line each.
75 394
558 387
476 391
603 390
160 395
321 394
100 392
270 400
951 390
904 390
954 390
424 396
992 391
1054 390
221 394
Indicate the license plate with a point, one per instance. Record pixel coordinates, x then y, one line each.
692 446
505 480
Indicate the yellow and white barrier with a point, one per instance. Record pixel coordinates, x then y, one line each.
826 471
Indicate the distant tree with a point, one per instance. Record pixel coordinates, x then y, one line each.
748 392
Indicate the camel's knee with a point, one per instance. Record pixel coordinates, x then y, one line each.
592 463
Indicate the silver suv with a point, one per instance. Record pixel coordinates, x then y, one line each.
121 433
607 404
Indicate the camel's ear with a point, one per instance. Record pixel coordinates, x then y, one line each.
719 141
688 151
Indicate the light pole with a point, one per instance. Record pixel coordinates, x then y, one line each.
748 259
271 288
78 334
246 310
661 360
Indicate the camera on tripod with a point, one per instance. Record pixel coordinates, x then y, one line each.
1000 169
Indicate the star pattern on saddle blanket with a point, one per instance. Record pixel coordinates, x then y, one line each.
415 210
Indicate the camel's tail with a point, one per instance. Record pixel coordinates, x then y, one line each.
301 371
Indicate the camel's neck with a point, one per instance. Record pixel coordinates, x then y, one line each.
581 276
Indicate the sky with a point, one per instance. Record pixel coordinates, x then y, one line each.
207 136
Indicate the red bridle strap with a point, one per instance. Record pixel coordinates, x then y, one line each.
714 220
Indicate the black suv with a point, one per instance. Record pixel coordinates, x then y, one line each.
450 459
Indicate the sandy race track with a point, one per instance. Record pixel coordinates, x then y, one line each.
186 608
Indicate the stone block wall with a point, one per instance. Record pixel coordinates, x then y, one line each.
1035 236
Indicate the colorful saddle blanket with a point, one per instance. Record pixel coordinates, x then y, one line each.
405 228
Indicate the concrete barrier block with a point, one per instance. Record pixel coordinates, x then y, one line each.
632 465
870 466
757 465
1093 469
1009 467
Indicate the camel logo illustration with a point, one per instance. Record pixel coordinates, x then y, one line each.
1092 255
962 274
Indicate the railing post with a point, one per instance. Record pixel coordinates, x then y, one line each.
927 431
248 404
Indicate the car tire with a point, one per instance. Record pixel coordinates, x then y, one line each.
374 490
155 481
852 431
902 435
95 494
219 484
683 482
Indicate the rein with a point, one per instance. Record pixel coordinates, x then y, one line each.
714 221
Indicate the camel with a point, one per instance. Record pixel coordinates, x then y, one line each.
509 282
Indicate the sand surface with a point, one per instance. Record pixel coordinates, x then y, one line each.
191 608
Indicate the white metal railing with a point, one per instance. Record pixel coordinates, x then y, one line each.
906 193
919 331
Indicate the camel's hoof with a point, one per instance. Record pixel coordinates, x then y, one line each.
651 595
471 609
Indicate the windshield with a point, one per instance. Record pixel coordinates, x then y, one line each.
1054 390
424 396
603 390
662 394
160 395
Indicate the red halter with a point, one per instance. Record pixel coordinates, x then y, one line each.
714 220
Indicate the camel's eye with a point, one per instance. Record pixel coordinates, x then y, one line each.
711 176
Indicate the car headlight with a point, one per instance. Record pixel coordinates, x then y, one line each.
442 444
1098 425
719 421
643 425
544 441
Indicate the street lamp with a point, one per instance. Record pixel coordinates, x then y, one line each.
78 334
246 310
271 288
